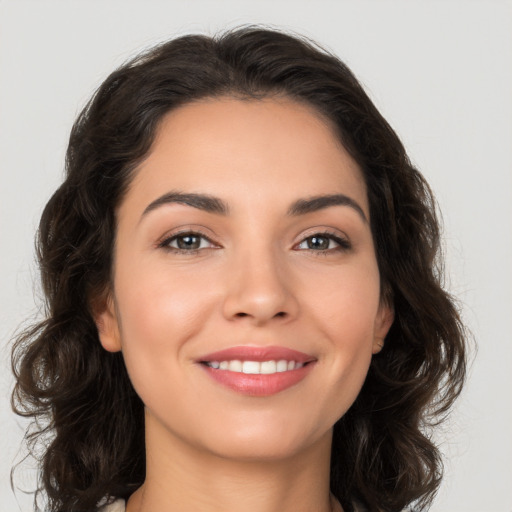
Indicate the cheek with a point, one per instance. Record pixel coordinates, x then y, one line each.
159 313
346 303
159 307
345 310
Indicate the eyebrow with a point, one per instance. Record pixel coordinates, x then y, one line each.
212 204
204 202
315 203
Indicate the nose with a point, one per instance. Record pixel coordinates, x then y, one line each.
260 289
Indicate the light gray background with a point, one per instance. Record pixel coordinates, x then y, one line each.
441 73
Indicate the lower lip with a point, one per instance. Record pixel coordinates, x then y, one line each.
258 384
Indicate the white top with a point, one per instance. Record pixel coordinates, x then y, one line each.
117 506
120 506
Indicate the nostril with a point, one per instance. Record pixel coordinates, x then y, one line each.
280 314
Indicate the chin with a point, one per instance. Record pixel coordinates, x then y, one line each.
264 441
260 451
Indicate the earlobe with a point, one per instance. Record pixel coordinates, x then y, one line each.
383 323
105 317
378 345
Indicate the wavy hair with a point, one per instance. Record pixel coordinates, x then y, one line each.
88 416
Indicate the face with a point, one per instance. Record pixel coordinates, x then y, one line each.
245 297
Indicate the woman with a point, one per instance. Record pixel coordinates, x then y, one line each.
244 309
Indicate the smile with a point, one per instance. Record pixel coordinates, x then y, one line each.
256 367
257 371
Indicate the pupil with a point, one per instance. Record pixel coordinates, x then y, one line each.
317 242
188 242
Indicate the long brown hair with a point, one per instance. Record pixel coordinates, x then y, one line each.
91 419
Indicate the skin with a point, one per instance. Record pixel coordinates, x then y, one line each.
257 282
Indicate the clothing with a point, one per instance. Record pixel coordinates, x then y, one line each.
117 506
120 506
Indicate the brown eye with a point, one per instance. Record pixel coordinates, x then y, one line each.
187 242
318 242
323 242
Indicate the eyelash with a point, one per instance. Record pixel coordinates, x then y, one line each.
343 243
164 244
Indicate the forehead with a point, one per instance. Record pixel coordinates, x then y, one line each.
271 150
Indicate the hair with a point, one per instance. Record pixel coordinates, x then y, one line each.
88 417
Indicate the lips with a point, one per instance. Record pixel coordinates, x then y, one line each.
236 368
247 353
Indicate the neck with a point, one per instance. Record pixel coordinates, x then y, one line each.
181 477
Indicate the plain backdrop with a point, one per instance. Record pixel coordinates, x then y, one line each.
440 72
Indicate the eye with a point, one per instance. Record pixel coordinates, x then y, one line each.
186 242
321 242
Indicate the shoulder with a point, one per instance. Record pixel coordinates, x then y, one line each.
116 506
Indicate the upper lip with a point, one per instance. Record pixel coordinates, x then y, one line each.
253 353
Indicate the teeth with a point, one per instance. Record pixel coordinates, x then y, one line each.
282 365
267 367
255 367
251 367
235 366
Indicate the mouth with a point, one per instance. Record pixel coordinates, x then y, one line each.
257 371
255 367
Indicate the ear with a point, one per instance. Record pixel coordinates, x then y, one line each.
105 317
383 322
